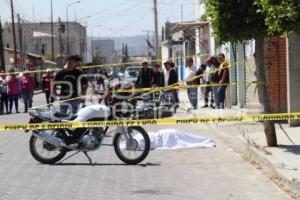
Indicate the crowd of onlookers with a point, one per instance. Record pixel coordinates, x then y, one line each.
213 75
14 87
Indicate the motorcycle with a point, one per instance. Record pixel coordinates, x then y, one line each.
131 144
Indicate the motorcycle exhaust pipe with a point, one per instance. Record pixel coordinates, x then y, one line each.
50 139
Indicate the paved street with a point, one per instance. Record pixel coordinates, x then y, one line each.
206 174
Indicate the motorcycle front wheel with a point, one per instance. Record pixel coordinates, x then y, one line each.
134 147
45 152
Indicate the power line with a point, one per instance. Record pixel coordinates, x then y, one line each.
124 10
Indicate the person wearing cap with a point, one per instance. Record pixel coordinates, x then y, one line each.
210 76
145 77
72 84
46 83
190 73
170 78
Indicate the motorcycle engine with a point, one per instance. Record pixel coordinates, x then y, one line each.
92 138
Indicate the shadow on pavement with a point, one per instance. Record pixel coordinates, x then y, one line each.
106 164
295 149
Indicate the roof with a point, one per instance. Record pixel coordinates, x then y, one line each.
189 25
27 53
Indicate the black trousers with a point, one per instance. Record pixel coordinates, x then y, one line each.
48 98
3 102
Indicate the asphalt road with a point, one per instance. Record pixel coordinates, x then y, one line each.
200 174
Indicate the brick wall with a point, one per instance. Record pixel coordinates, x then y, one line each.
276 73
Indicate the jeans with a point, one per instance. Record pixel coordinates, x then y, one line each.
13 99
27 98
193 96
213 91
220 97
4 101
74 104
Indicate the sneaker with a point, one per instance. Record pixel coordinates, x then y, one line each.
212 106
205 106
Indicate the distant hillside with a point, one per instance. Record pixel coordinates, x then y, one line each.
137 45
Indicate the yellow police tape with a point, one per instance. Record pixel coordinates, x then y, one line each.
145 122
180 87
149 90
99 66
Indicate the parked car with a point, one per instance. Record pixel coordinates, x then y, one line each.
131 74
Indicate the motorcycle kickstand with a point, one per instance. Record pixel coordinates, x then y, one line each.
87 155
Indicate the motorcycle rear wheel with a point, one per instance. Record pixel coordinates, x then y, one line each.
46 147
132 148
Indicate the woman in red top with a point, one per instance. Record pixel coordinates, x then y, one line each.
46 82
27 86
13 90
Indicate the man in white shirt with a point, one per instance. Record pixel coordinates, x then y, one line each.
190 73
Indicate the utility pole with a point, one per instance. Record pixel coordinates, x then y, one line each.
20 41
156 30
2 63
52 36
148 40
14 32
61 29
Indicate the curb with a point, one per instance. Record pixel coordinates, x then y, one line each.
255 155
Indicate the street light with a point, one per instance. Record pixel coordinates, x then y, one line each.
93 39
67 12
81 41
52 36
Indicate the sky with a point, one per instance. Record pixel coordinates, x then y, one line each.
108 18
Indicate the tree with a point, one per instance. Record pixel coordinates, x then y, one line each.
126 53
238 20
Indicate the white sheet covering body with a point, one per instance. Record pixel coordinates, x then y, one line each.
175 139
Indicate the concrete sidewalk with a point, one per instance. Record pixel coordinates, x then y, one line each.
282 163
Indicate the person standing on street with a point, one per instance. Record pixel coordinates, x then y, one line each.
223 79
46 83
210 76
72 84
145 77
158 77
3 93
27 88
170 78
13 90
190 73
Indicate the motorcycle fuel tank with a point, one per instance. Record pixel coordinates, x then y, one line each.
92 112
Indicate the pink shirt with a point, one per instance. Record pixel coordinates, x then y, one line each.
27 84
13 86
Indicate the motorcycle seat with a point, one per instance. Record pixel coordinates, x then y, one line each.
61 115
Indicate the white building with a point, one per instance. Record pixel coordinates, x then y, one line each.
36 35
